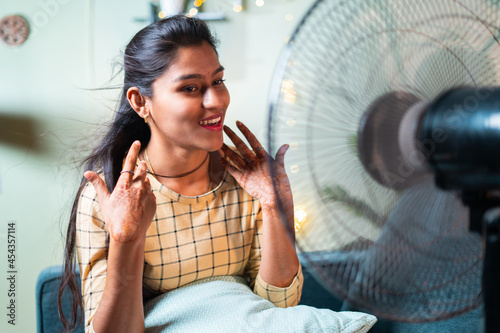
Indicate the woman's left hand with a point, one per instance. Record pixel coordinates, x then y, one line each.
255 169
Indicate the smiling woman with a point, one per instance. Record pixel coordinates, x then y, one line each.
164 202
185 112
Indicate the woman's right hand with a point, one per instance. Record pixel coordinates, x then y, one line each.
130 208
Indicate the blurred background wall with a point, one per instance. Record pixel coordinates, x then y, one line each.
50 109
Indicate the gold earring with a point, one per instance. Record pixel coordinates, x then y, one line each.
146 119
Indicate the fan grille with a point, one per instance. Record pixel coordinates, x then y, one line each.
401 255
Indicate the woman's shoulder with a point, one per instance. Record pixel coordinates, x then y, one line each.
88 210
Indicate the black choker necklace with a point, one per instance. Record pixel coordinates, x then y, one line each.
176 176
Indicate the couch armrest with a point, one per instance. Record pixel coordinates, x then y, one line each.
47 315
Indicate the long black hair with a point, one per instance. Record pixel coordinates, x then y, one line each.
147 56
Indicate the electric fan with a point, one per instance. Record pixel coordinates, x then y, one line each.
393 116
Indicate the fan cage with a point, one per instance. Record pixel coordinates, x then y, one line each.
402 255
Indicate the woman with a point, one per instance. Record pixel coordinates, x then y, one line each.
165 202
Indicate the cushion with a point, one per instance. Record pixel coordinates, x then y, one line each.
227 304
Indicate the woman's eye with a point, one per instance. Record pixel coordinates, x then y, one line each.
190 89
219 82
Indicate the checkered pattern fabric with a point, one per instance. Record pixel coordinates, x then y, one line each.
190 238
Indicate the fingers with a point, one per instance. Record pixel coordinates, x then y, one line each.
140 172
230 155
280 155
240 145
98 183
249 157
147 184
141 176
130 161
233 171
252 140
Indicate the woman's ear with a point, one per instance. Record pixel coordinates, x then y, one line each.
138 102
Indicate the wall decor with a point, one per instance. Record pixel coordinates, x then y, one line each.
14 29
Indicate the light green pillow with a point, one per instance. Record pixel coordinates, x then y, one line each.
226 304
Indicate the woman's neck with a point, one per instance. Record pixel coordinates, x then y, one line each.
183 171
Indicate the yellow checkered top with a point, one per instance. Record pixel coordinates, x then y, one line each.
190 238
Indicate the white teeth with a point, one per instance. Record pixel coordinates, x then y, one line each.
210 122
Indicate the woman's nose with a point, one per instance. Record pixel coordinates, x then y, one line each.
215 98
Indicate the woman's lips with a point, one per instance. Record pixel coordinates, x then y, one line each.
213 123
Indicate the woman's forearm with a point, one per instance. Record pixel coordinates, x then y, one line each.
121 307
259 174
279 263
128 212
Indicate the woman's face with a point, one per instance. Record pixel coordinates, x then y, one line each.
189 101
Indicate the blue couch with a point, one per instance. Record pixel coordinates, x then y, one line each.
47 316
313 294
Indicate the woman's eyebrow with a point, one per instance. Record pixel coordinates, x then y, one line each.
196 76
220 69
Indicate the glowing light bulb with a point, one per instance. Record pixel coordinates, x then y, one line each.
237 8
193 11
197 3
289 93
259 3
161 15
300 216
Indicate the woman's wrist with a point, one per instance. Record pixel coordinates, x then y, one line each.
279 210
128 232
132 245
125 264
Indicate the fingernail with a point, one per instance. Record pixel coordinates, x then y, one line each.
238 122
137 142
87 175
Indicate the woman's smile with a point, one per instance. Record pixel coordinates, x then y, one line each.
213 123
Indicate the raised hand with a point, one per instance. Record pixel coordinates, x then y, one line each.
130 208
252 170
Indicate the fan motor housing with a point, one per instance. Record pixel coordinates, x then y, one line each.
387 140
460 136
